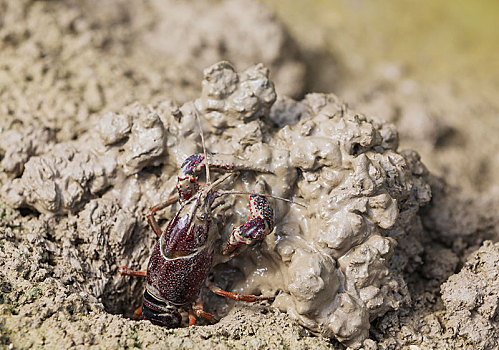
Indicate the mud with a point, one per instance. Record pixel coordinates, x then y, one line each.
209 39
359 175
471 299
444 121
386 255
80 58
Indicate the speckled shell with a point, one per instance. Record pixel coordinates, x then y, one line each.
182 259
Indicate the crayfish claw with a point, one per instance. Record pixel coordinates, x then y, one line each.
258 226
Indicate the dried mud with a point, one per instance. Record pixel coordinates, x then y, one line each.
386 255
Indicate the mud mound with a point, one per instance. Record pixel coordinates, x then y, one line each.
359 192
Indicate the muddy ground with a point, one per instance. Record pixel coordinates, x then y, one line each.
66 65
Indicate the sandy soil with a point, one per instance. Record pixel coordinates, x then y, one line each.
82 161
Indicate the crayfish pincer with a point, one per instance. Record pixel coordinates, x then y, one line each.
183 256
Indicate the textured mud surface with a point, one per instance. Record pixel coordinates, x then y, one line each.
79 58
385 255
445 122
327 264
471 297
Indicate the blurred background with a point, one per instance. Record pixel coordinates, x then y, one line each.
431 67
430 40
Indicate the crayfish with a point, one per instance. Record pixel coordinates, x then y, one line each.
183 256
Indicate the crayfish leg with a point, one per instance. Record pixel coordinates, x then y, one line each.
152 220
154 224
163 205
198 311
192 318
129 272
137 313
249 298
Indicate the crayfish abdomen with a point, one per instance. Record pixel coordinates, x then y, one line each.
159 312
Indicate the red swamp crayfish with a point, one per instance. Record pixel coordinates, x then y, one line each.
183 255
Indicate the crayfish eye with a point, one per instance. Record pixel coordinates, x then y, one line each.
202 217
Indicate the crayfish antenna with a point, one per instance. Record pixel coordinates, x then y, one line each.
198 119
263 195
